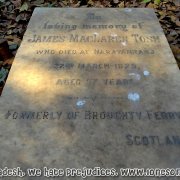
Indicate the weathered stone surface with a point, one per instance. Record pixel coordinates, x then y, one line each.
91 88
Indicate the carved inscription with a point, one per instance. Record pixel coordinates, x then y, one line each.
92 87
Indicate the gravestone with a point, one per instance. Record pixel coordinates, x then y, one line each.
91 88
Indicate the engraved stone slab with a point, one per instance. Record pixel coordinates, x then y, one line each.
91 88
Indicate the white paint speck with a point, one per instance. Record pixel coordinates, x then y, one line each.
135 75
95 33
124 43
127 10
134 96
169 54
81 103
146 73
113 35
